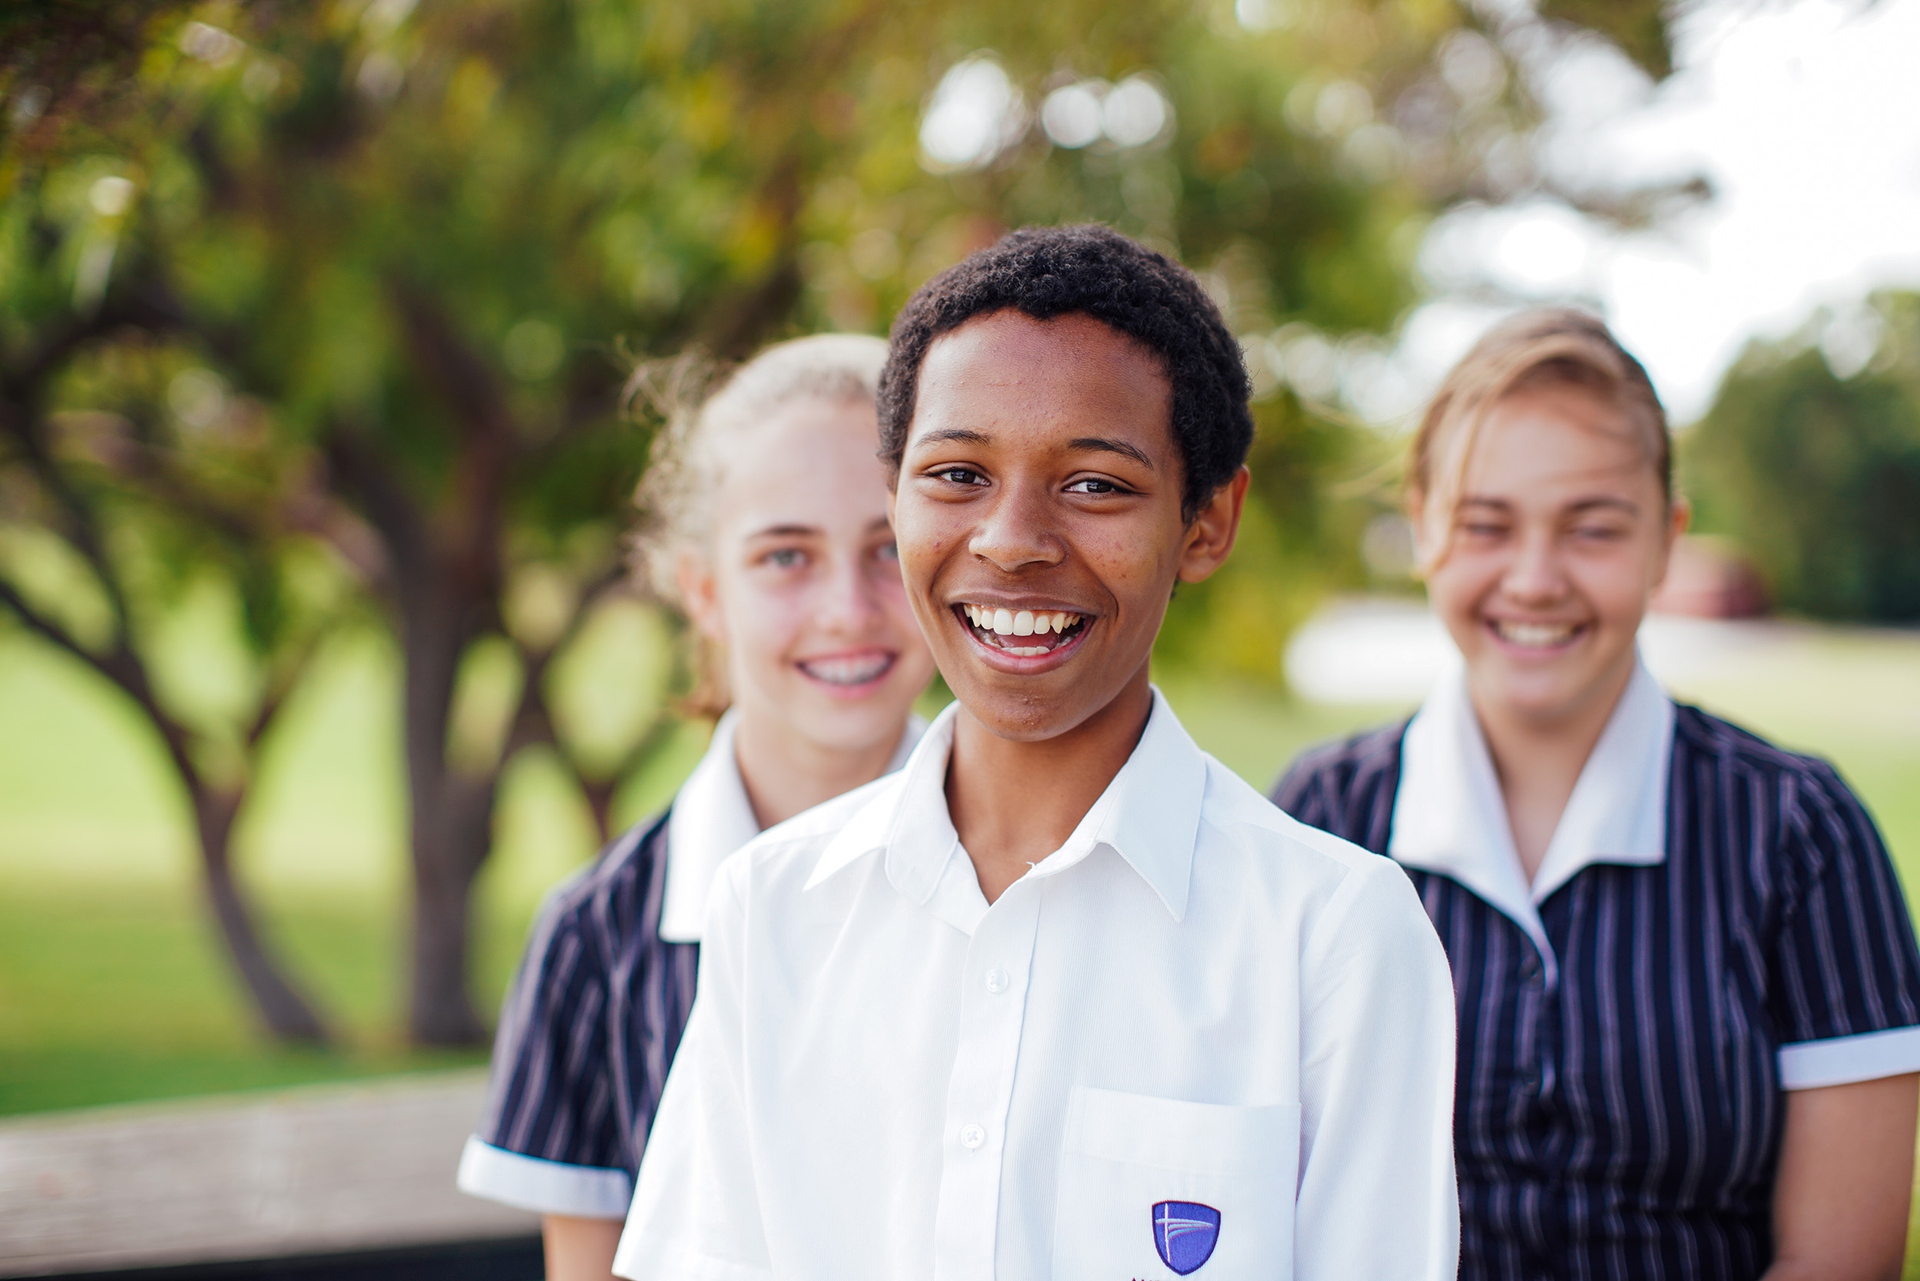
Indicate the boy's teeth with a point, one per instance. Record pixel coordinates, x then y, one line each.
1023 622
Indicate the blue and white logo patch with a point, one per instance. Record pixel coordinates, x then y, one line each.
1185 1233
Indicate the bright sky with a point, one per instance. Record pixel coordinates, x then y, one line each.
1804 116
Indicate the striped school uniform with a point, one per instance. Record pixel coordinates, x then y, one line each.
595 1014
1714 922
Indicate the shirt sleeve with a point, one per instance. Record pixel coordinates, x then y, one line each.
1847 970
696 1211
1377 1194
550 1140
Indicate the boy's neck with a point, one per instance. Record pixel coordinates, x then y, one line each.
1013 803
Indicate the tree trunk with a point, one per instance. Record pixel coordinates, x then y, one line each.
289 1015
452 823
446 859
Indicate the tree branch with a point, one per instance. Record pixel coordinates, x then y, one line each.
123 668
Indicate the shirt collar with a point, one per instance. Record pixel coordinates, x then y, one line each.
1449 816
1149 815
712 818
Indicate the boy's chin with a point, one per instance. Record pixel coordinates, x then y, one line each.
1030 709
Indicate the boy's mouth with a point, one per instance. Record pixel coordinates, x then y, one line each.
1023 633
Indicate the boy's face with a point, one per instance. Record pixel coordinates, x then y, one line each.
1037 515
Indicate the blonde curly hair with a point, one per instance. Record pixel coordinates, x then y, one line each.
710 417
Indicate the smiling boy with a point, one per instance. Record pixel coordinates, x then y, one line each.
1064 997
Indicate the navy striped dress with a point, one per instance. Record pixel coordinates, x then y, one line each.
592 1021
1626 1121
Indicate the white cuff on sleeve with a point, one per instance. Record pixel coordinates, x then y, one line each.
545 1187
1843 1060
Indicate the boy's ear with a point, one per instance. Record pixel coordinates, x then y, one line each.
1210 537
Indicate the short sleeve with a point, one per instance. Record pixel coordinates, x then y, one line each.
1847 971
696 1210
550 1140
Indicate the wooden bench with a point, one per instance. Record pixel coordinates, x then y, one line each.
316 1170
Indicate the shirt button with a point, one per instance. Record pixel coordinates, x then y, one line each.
972 1136
996 981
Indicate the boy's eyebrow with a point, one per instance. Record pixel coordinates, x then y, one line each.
966 434
1102 443
1112 447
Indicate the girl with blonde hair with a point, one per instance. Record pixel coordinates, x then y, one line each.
1687 985
764 520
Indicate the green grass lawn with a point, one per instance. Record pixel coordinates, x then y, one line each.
113 988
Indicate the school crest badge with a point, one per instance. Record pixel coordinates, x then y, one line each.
1185 1233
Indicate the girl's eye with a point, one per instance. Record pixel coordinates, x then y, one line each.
960 476
784 557
1093 485
1598 533
1479 529
889 551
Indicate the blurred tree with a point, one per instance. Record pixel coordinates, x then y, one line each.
424 240
1810 458
118 523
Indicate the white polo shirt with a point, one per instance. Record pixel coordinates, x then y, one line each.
1199 1038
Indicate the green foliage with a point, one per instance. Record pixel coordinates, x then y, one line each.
417 243
1818 476
325 308
1638 27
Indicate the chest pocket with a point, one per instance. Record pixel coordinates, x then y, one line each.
1156 1188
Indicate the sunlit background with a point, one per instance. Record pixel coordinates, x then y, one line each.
318 664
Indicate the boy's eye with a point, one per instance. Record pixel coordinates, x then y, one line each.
959 476
887 551
1598 533
1093 485
784 557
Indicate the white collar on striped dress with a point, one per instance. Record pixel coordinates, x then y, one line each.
1448 815
712 818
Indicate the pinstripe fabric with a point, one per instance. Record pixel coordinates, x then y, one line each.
1626 1121
594 1016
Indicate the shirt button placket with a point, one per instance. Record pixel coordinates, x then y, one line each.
992 1007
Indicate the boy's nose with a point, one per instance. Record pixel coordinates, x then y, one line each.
1016 532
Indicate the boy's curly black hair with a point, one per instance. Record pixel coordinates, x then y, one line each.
1053 271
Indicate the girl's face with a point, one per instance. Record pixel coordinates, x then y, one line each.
1561 534
802 587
